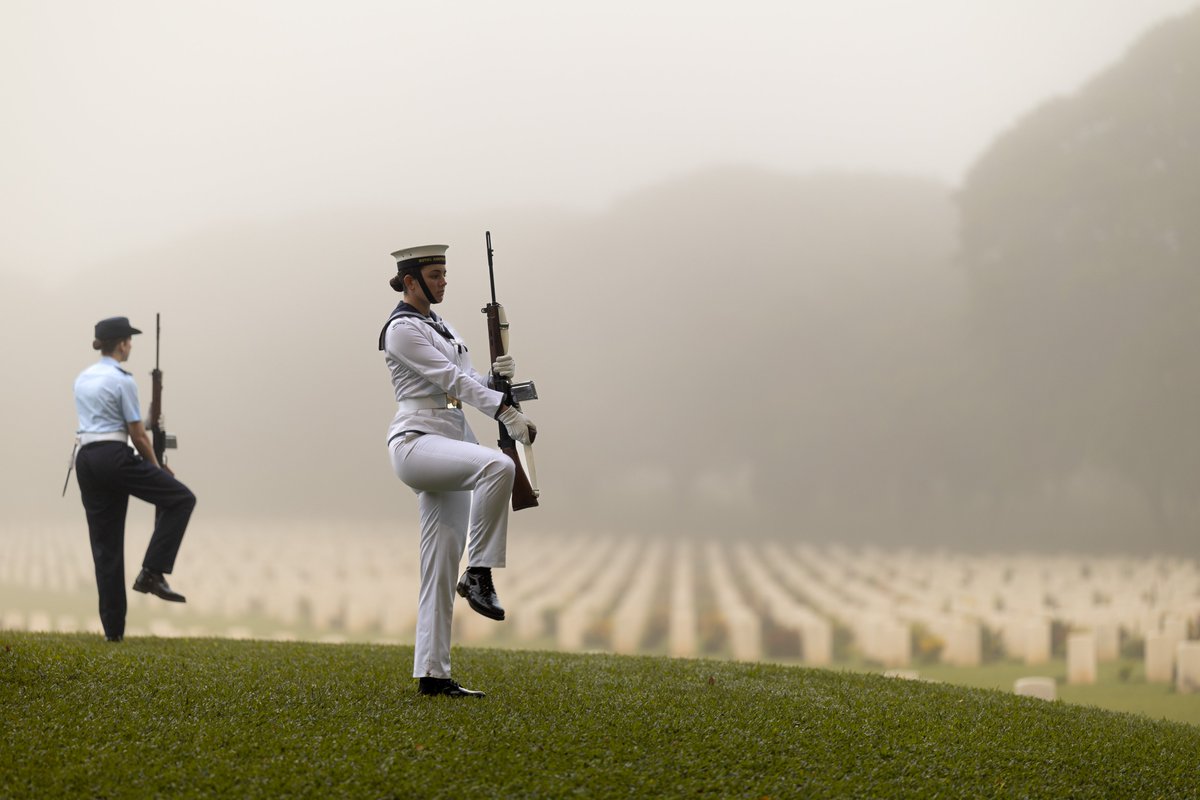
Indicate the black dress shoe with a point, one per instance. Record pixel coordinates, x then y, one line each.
154 583
114 638
477 588
436 686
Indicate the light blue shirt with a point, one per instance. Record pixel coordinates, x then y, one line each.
106 398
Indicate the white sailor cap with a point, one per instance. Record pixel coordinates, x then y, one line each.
421 256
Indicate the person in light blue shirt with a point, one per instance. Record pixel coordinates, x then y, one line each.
106 398
109 471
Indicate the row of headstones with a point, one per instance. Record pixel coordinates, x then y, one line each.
609 585
1034 577
963 637
784 608
265 572
45 622
237 572
739 604
248 555
269 575
54 559
1030 637
1131 593
880 632
1081 668
877 633
286 598
1024 636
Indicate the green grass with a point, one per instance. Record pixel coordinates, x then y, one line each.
1120 686
217 718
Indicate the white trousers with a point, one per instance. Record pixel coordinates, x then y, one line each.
463 492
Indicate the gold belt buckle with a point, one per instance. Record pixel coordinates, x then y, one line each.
453 402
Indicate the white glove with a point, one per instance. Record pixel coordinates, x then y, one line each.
519 426
505 366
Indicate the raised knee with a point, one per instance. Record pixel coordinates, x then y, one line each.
504 468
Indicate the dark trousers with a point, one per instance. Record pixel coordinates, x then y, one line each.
108 473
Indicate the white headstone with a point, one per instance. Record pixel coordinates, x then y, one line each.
1175 626
817 638
745 634
1036 687
964 644
1160 657
1037 641
892 642
1108 641
1188 679
1081 657
682 634
631 617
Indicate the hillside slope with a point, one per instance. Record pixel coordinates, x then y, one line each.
191 718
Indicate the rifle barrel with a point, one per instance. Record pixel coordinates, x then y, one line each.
491 272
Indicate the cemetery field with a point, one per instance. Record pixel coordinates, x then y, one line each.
1117 632
1120 686
192 717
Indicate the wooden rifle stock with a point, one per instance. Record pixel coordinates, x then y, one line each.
158 437
523 493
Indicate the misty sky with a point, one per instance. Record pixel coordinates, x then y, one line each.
129 122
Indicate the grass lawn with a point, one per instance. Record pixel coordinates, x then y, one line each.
1111 691
218 718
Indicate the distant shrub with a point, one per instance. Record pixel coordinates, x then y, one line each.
781 642
843 642
992 645
1058 638
1132 647
926 647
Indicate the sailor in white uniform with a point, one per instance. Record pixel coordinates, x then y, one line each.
463 488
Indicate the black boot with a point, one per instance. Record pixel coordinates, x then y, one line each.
476 586
436 686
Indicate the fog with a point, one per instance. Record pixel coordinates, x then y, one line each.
129 123
727 240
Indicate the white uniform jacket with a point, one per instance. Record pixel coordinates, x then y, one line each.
426 363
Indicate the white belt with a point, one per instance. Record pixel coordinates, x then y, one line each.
111 436
429 401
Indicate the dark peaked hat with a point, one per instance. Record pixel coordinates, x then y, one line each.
114 328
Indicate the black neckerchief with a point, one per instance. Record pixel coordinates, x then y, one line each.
433 320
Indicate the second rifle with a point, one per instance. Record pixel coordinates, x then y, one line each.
161 440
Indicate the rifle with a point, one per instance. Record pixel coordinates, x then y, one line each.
525 493
160 438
